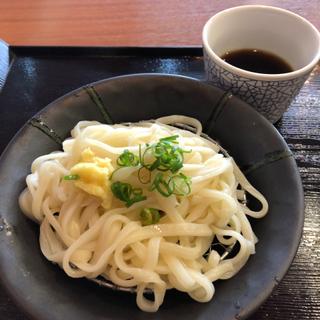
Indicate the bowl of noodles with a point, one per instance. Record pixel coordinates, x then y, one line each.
147 196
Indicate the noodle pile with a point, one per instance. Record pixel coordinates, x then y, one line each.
89 236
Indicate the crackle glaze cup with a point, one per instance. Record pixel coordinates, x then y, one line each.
271 29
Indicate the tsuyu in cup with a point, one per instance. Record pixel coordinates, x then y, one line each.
264 28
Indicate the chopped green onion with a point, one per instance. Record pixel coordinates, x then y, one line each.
71 177
144 175
163 156
180 184
127 159
126 193
161 185
146 156
149 216
172 139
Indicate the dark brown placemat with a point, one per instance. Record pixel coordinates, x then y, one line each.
38 75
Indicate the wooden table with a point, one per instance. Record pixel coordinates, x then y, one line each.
121 22
174 22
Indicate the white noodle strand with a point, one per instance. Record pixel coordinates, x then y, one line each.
87 240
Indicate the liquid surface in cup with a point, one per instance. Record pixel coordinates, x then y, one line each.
257 61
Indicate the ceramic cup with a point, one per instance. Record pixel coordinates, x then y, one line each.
271 29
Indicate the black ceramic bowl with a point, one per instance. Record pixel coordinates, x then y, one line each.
45 292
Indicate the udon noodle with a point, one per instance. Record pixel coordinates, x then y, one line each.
89 232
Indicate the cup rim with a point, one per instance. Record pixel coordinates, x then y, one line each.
255 75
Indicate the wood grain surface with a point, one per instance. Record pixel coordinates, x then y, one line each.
121 22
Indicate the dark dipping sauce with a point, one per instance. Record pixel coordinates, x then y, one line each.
257 61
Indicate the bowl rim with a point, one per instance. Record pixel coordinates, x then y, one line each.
248 309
